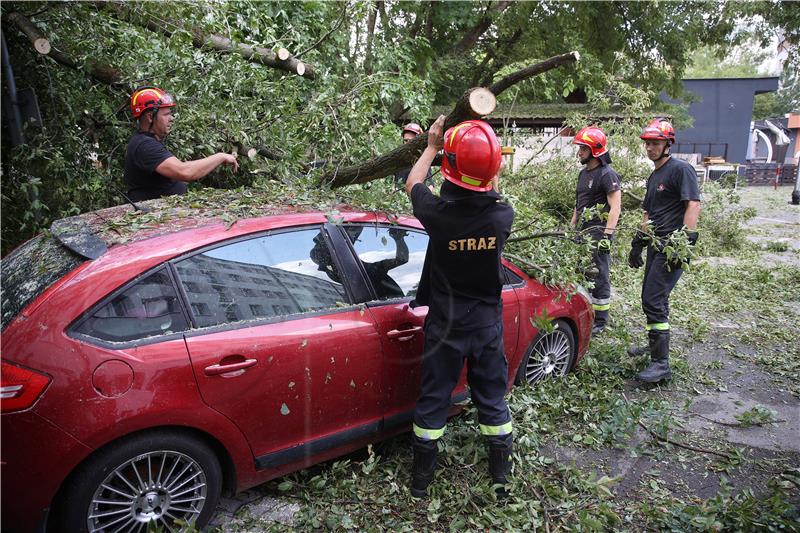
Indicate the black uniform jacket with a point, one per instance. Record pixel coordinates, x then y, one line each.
462 276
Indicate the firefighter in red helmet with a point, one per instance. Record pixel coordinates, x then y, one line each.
671 209
151 171
409 133
598 189
461 283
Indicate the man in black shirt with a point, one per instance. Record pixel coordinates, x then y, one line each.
461 283
671 208
598 185
151 171
410 131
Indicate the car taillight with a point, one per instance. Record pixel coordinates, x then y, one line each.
20 387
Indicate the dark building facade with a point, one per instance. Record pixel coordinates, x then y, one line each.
722 115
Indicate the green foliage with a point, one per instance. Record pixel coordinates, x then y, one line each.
785 100
727 511
420 53
757 416
721 220
719 62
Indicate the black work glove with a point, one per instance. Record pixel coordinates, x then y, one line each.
604 244
692 237
638 244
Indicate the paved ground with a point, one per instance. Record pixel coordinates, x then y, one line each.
708 414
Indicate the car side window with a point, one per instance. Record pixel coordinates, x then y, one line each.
391 256
511 277
148 308
268 276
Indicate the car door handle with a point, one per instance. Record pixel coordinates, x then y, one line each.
216 370
404 334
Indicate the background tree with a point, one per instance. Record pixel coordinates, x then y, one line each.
372 61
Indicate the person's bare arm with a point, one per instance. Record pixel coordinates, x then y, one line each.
435 142
614 199
691 215
196 169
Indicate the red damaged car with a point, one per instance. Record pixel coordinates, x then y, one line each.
144 376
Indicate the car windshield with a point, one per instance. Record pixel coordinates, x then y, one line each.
29 270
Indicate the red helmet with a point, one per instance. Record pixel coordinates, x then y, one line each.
412 127
594 138
658 129
471 155
146 98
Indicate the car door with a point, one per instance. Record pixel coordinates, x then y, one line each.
392 259
278 347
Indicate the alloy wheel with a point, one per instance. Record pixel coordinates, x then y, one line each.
152 489
550 357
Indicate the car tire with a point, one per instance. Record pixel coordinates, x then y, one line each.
148 479
549 355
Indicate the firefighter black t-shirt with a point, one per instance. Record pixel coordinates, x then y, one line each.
462 277
668 188
593 189
144 154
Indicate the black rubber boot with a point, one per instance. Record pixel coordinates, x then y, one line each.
600 321
658 369
500 449
424 466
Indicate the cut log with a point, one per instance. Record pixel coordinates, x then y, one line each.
201 40
475 103
39 41
97 71
252 151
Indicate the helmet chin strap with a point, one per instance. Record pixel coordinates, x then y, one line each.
664 152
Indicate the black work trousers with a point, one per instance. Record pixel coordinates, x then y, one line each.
656 287
601 294
487 375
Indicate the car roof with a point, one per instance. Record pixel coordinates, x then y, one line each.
91 234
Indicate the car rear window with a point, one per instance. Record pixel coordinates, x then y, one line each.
29 270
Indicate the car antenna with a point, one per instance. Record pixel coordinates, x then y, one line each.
135 207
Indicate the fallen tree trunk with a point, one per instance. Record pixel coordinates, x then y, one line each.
475 103
97 71
282 60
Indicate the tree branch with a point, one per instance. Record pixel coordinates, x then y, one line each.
475 103
472 36
670 441
263 56
321 39
97 71
520 75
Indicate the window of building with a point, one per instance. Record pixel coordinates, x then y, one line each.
296 265
148 308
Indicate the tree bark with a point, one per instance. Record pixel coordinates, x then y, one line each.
533 70
370 36
251 151
476 102
97 71
34 35
472 36
200 39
